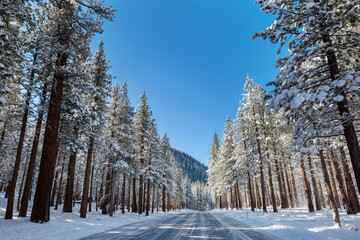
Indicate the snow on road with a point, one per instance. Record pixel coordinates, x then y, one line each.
297 223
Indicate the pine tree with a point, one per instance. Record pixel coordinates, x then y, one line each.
319 76
64 17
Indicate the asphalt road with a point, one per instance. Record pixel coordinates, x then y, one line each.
187 225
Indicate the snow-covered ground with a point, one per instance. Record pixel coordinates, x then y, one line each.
298 223
65 226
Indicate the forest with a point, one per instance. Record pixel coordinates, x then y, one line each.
297 143
68 136
72 142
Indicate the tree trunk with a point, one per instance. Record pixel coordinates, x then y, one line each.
294 186
288 186
96 198
30 173
21 185
157 201
307 187
134 204
231 199
278 173
112 195
41 208
91 187
140 194
123 195
262 180
58 197
313 179
11 190
148 198
272 192
258 198
105 198
164 199
349 129
333 185
144 197
153 199
252 202
284 186
128 195
84 199
340 182
329 190
349 182
236 198
239 195
322 196
53 194
69 191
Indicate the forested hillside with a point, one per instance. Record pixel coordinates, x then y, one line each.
191 167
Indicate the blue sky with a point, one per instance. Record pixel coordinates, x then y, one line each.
191 57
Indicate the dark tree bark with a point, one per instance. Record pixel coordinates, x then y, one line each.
329 190
164 199
262 180
153 199
322 196
313 179
307 187
284 186
41 207
69 191
105 198
272 192
21 185
134 204
128 196
338 175
252 202
123 195
258 198
349 129
11 190
278 173
140 194
59 193
349 182
84 199
333 185
53 194
288 186
236 198
91 187
30 173
112 194
148 198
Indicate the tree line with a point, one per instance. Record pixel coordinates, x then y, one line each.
295 142
67 135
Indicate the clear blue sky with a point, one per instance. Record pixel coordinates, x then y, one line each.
191 57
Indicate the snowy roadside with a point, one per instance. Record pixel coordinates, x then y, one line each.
66 226
298 223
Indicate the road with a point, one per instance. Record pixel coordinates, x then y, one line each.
187 225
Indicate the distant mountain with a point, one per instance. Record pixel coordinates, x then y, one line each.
191 167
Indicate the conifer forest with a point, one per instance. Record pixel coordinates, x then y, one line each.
79 160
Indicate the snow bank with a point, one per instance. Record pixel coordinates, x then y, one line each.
298 223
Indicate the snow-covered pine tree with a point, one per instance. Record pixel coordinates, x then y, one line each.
66 21
101 81
141 125
321 74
